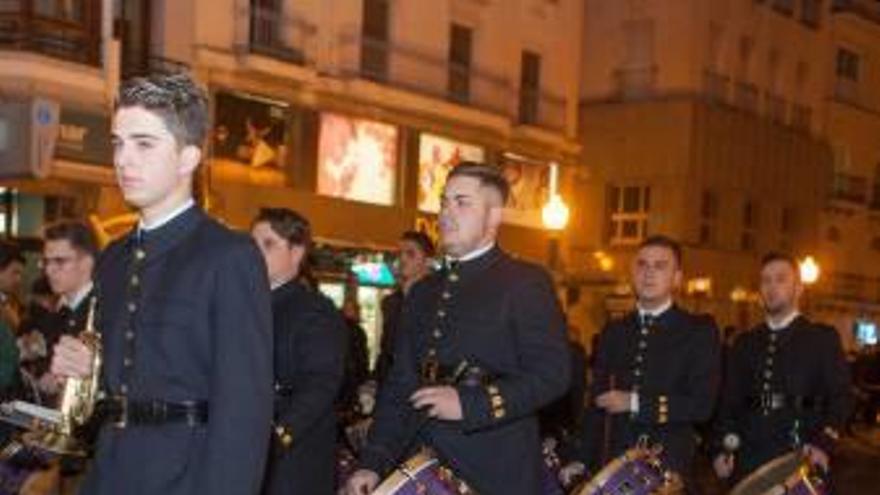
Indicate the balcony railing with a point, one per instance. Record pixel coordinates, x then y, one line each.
153 64
431 74
849 188
635 82
275 34
21 28
869 9
801 117
777 108
746 96
716 86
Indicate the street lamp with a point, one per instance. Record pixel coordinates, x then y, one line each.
809 272
555 211
554 215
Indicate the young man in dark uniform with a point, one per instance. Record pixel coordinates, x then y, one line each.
185 318
415 257
481 348
309 361
656 371
786 385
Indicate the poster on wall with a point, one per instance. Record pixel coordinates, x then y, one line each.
250 132
437 156
357 159
529 186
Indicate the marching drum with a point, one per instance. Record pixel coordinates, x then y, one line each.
789 474
423 474
639 471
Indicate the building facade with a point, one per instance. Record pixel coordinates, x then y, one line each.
350 111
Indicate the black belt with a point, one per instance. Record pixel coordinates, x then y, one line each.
283 390
776 402
121 412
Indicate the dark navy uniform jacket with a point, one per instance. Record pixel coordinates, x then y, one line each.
310 344
801 364
674 364
501 317
199 330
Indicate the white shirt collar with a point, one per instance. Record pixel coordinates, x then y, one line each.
167 218
78 296
476 253
656 311
779 324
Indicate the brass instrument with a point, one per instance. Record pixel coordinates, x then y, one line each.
78 399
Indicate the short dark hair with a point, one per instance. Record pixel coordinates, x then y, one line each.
175 98
288 224
9 254
774 256
664 242
78 234
488 176
420 239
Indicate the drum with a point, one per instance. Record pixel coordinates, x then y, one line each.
26 471
423 474
639 471
789 474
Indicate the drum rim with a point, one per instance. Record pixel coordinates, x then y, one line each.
604 474
763 469
415 464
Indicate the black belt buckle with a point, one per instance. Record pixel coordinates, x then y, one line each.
122 419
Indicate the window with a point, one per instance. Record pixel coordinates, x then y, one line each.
637 74
132 29
374 42
69 30
784 6
847 64
708 215
811 12
750 226
529 87
460 47
628 208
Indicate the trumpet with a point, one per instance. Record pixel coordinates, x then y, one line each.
56 430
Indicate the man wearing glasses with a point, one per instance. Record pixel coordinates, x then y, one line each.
69 255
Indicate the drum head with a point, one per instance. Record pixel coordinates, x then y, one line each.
770 477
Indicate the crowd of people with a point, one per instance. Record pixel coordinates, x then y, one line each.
226 371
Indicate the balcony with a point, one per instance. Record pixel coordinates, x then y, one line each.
868 9
849 188
70 32
431 74
273 33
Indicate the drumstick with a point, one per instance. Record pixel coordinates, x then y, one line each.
606 433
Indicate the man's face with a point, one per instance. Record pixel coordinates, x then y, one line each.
413 261
656 274
282 258
66 268
780 288
469 215
153 171
10 277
